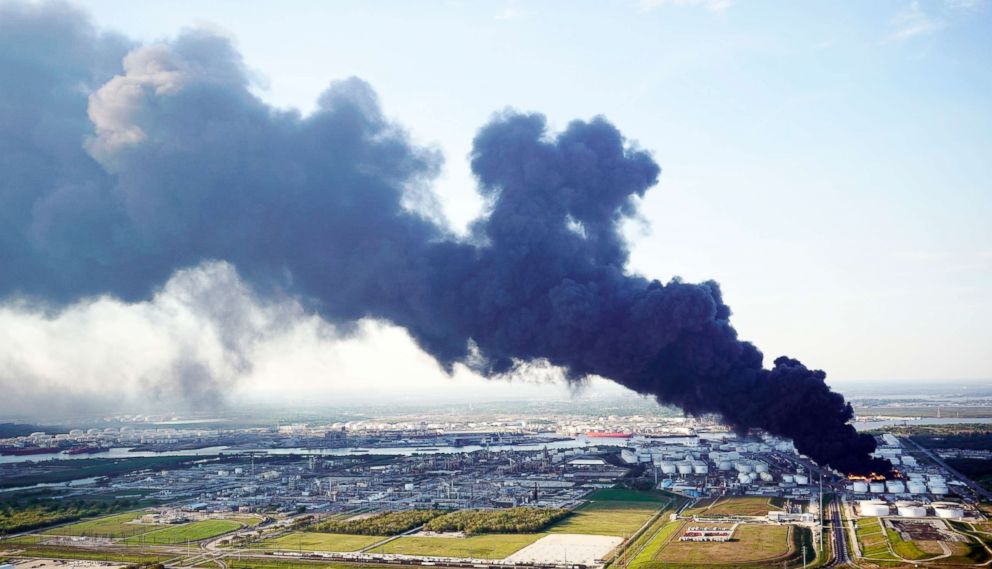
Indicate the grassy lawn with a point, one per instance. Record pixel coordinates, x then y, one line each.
905 549
108 526
752 543
489 546
115 554
742 506
313 541
660 539
194 531
607 518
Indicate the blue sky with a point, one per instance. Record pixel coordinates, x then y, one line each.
829 163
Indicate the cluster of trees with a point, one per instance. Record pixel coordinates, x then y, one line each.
145 566
33 512
512 520
385 523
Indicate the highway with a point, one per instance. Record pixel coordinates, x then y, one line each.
838 536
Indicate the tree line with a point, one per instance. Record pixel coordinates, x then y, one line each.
523 519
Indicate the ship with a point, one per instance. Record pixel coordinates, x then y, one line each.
29 451
608 435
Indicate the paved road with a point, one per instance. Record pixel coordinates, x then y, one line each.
971 484
838 536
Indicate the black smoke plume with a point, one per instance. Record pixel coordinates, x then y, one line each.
120 164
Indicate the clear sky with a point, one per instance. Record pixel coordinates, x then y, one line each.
829 163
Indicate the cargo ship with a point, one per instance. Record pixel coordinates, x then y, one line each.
29 451
608 435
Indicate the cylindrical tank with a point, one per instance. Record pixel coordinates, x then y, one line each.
668 467
860 487
788 478
725 465
801 479
743 478
743 466
895 486
877 487
917 487
760 467
873 508
912 511
700 468
685 467
938 489
948 511
766 476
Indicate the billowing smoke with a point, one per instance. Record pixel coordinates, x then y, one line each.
121 164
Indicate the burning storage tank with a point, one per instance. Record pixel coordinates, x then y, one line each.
873 508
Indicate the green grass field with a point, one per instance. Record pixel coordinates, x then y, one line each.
313 541
194 531
108 526
489 546
646 557
607 517
905 549
742 506
752 543
120 555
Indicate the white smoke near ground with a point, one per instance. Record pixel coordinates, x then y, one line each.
186 346
205 341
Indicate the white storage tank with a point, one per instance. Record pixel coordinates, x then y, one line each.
725 465
801 479
766 476
743 478
685 467
916 487
743 466
912 511
760 467
788 478
873 508
877 487
668 467
948 510
860 487
909 461
938 489
895 486
700 468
